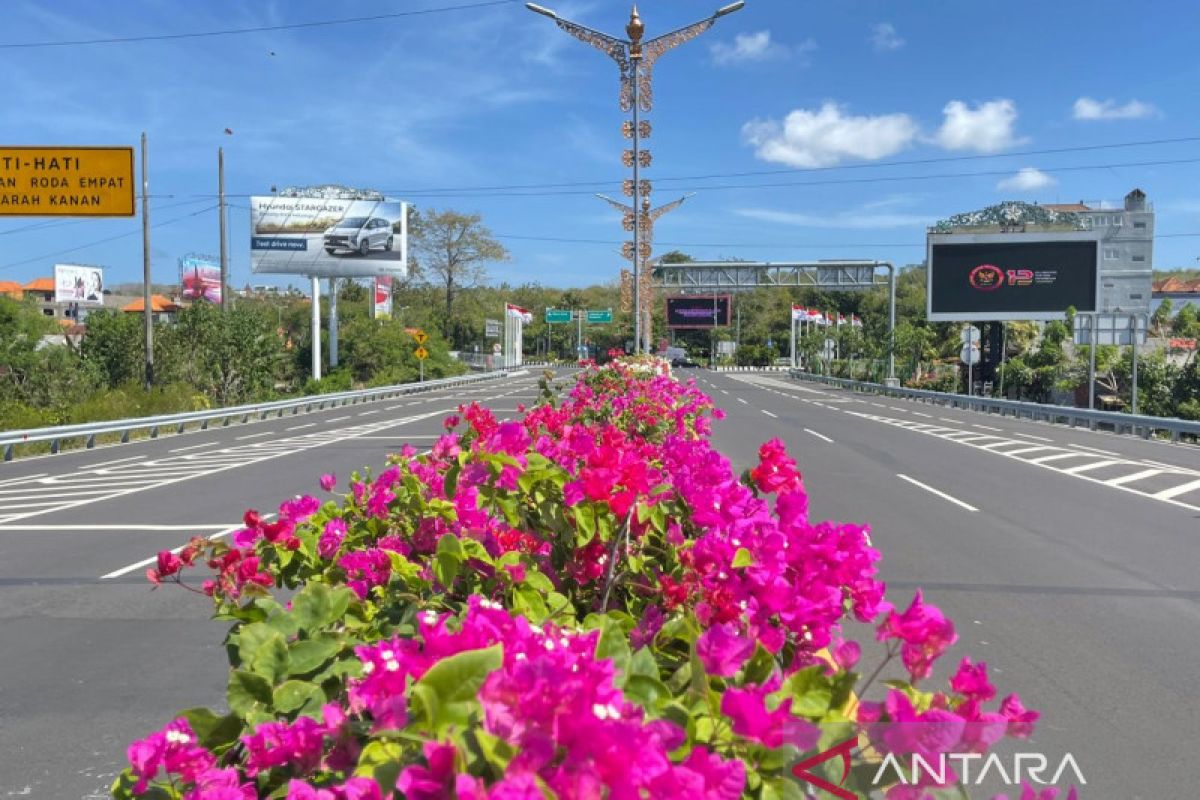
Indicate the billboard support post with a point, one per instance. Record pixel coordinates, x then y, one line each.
224 233
147 306
316 327
1133 343
333 324
891 376
1091 318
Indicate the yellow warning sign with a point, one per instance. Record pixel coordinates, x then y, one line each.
421 336
421 354
66 182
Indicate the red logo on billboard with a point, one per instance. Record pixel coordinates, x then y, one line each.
801 770
986 277
1020 277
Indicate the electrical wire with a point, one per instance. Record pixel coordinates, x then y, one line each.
256 29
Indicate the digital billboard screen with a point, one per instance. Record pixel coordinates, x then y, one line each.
200 277
698 312
1038 279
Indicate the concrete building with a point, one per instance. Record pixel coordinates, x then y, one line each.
1181 292
1126 263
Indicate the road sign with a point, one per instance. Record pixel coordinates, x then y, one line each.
421 336
599 317
496 348
491 328
557 315
66 182
969 355
969 334
421 354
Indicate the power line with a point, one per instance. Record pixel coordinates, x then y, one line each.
801 170
758 245
108 239
257 29
58 223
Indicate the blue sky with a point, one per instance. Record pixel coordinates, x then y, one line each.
825 94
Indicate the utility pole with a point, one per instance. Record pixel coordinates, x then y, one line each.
147 306
224 233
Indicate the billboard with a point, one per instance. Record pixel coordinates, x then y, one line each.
200 277
78 283
328 238
698 311
976 277
383 297
66 182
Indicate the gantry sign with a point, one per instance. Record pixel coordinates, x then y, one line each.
736 275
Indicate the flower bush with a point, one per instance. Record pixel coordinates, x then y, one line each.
587 601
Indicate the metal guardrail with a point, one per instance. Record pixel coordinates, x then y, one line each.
1119 422
88 431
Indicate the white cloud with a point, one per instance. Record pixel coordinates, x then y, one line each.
1027 179
750 47
826 136
1089 109
986 128
855 219
884 37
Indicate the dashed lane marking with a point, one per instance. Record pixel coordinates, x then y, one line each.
820 436
937 492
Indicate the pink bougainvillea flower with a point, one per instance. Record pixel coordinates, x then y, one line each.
924 632
722 650
1020 720
328 481
971 681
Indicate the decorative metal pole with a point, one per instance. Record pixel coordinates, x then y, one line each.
636 63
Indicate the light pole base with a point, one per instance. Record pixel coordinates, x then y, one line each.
891 383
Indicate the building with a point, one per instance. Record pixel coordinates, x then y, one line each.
1180 291
12 289
163 309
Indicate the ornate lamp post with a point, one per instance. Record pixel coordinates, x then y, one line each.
636 59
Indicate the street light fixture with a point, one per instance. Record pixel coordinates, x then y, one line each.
636 59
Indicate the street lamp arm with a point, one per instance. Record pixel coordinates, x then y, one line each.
618 205
671 206
614 48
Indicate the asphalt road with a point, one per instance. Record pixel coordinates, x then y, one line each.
1067 558
1072 569
90 657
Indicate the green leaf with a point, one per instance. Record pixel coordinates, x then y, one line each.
646 691
742 558
248 639
271 659
318 605
246 690
535 579
643 663
212 731
455 682
451 482
449 559
529 603
311 654
759 667
292 695
614 644
380 760
812 692
585 524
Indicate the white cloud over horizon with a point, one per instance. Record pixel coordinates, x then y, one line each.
756 47
1087 108
986 128
885 38
1027 179
826 136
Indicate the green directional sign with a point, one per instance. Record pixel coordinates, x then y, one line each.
599 317
557 315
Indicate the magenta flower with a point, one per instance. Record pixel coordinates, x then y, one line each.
925 634
747 710
971 681
846 655
328 481
433 782
722 650
1020 719
331 539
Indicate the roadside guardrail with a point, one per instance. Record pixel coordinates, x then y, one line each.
1119 422
88 431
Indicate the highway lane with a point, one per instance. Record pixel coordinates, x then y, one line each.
1082 595
87 663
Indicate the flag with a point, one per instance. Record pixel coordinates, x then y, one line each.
799 313
841 320
518 313
855 322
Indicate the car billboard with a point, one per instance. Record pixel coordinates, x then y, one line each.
328 238
78 283
698 312
977 277
200 278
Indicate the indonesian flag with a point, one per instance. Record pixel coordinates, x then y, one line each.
841 320
855 322
799 314
518 313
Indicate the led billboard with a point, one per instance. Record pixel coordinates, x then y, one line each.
698 312
200 278
978 277
327 238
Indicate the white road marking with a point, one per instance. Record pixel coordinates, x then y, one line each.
255 435
740 400
986 427
1059 457
947 419
1093 465
821 436
25 478
1033 449
302 427
769 414
1031 436
10 528
369 413
341 419
192 447
115 461
1167 494
1096 450
148 561
929 416
940 494
1137 476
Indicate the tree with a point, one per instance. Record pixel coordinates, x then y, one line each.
232 357
114 344
1161 319
1187 323
453 250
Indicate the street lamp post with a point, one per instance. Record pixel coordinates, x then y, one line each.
635 60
